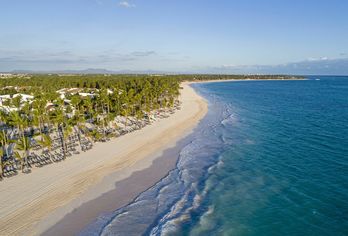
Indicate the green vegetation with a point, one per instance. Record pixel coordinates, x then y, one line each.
52 83
47 118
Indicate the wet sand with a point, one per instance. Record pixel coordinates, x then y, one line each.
32 204
124 193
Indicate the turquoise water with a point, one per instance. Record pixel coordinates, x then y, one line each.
286 172
270 158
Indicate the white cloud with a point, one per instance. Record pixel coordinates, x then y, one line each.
318 59
143 53
126 4
32 59
229 65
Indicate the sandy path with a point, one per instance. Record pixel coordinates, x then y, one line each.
26 200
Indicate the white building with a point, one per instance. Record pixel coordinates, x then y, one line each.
91 95
109 91
8 109
5 75
4 98
63 92
24 98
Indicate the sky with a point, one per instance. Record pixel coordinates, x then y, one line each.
186 36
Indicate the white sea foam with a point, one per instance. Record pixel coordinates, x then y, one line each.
162 208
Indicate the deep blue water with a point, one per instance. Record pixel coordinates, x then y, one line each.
270 158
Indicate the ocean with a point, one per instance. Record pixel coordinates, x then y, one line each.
270 158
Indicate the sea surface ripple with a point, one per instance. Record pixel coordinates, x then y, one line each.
270 158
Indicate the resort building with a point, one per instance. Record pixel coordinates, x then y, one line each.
4 98
24 97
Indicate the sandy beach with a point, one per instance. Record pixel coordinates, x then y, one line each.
32 204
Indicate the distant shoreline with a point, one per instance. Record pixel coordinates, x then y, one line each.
239 80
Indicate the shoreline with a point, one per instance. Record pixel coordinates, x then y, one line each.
241 80
120 196
32 204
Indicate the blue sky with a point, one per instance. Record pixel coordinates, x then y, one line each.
212 36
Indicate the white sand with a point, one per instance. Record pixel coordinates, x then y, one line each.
30 204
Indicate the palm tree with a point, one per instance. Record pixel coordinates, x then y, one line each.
58 119
46 141
4 141
132 96
66 131
23 145
1 163
3 117
16 101
75 102
15 120
39 113
3 151
79 119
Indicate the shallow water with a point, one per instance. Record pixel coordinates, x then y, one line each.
270 158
